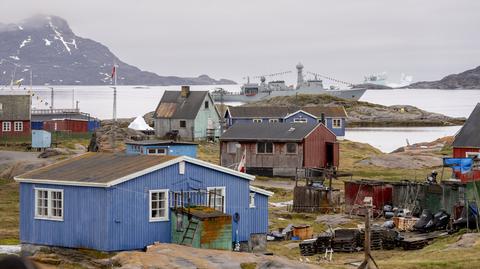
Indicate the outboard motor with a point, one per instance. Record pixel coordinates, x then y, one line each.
425 223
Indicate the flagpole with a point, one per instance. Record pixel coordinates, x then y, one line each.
114 106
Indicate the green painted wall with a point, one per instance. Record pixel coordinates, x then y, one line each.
213 233
201 121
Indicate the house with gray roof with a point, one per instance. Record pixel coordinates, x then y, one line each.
15 114
191 114
279 148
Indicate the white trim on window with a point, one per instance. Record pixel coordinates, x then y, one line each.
336 123
300 120
251 203
469 154
166 212
273 148
6 126
223 192
273 120
257 120
286 148
157 151
18 126
49 211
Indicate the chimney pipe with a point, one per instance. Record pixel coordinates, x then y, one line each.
185 92
322 118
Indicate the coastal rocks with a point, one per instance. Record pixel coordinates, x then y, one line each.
177 256
403 161
364 114
50 152
110 137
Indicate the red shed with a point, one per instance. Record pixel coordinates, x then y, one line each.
356 191
15 115
277 148
467 143
67 125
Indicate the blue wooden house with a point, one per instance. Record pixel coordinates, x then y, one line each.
114 202
162 147
334 118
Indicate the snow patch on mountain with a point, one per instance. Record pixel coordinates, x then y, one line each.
15 58
58 36
47 42
25 42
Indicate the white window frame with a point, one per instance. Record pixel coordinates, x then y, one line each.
156 151
470 153
6 126
49 215
257 120
18 126
273 120
251 200
273 148
223 193
1 107
167 209
296 148
337 126
300 120
231 145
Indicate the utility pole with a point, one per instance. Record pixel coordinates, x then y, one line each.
368 261
73 98
114 123
51 98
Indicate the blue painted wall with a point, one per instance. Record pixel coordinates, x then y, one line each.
85 218
232 121
328 122
173 150
93 125
117 218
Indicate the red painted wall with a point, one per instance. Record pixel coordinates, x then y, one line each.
355 192
25 132
315 148
75 126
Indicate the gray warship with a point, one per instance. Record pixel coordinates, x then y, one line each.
251 92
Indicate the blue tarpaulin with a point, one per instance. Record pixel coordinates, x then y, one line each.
463 165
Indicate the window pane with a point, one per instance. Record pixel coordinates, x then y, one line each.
291 148
154 196
269 148
261 147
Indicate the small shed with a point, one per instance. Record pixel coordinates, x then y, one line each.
41 139
201 227
162 147
356 191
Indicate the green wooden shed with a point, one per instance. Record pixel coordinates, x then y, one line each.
202 227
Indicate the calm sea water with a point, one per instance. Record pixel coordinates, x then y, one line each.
133 101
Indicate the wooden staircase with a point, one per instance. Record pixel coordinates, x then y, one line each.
190 232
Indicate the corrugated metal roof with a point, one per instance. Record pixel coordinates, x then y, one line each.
96 167
272 131
469 135
14 107
159 142
174 106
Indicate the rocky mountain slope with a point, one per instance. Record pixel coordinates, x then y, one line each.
57 56
469 79
366 114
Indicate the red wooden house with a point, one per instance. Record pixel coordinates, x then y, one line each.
66 125
15 115
279 149
467 143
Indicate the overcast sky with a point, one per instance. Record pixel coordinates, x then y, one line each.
231 39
